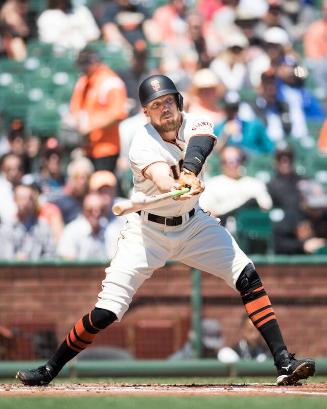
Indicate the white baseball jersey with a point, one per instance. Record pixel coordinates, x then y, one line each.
148 147
198 241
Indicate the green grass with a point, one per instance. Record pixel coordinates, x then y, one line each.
228 402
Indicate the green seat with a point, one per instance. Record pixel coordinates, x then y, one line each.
248 94
62 94
41 78
155 55
7 81
314 128
14 102
126 182
36 48
213 165
115 57
63 62
302 148
154 4
260 166
319 170
254 231
117 61
38 5
43 119
322 250
11 66
317 165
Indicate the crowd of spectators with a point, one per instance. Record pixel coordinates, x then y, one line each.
257 69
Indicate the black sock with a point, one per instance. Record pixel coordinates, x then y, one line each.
270 331
61 357
81 336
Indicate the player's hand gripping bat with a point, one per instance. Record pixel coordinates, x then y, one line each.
188 179
140 201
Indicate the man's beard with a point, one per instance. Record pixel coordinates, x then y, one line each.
168 126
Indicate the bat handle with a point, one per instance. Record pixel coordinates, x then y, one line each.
180 192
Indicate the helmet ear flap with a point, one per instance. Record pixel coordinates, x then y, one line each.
179 101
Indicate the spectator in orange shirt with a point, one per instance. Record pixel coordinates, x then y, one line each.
322 141
170 21
315 50
207 8
98 104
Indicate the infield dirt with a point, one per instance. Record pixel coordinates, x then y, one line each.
112 389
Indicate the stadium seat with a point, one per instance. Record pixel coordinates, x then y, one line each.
39 49
38 5
314 128
254 231
317 165
322 250
41 78
11 66
213 165
14 102
153 5
63 63
316 162
43 119
155 54
62 93
126 182
113 56
302 148
260 166
248 94
6 81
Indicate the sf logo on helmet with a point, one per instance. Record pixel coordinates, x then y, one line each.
155 84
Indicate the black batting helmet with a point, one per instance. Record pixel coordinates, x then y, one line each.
157 86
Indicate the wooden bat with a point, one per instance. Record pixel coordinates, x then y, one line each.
141 201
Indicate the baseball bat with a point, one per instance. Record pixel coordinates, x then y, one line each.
143 202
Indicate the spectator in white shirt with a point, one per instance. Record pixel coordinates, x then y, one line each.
84 237
230 66
67 26
230 191
28 237
11 172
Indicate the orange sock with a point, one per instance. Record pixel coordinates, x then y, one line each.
82 334
258 307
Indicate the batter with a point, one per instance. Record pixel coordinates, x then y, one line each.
166 154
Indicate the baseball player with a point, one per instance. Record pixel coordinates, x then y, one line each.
169 153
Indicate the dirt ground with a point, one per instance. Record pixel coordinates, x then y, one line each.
319 389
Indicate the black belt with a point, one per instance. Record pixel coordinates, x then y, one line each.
168 221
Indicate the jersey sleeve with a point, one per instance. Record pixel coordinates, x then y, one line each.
199 126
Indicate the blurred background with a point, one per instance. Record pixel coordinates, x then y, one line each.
69 76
